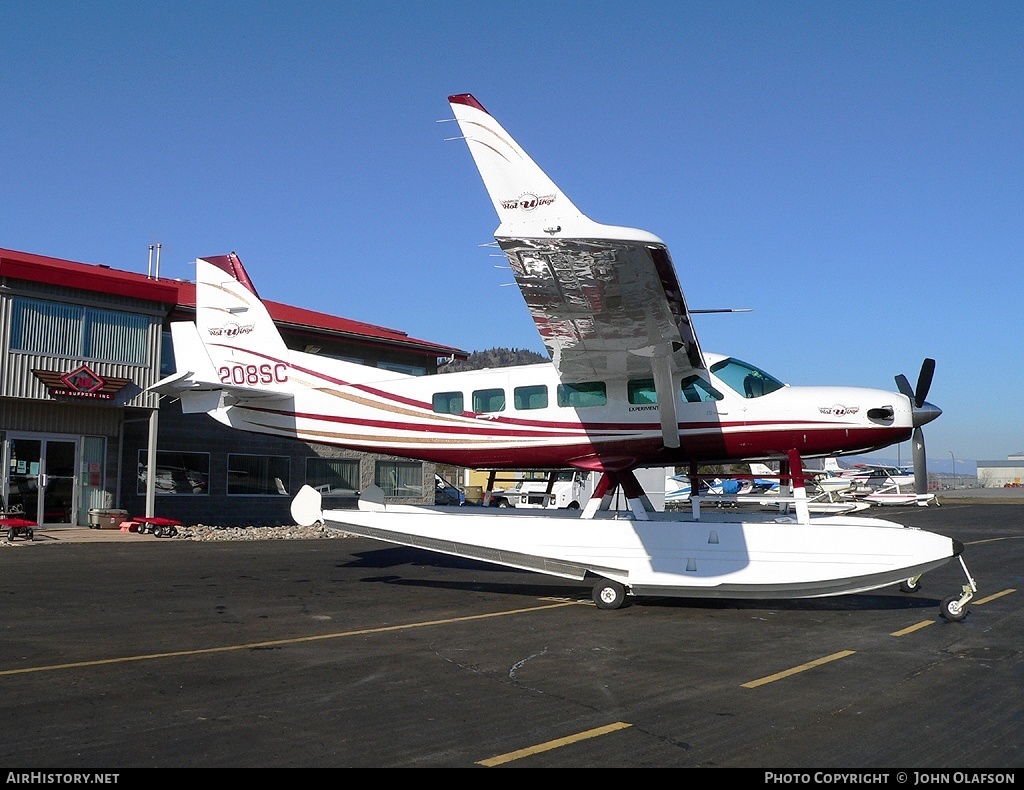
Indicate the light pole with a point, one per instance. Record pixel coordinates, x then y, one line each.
954 467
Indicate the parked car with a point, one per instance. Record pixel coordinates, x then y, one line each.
447 494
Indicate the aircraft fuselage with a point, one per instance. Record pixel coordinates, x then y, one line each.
511 417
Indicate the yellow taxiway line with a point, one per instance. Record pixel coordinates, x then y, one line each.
490 762
279 642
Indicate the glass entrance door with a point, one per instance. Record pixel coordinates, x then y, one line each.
41 479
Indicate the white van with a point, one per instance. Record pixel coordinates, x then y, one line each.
570 490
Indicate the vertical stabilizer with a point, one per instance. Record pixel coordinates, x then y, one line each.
831 464
229 314
232 352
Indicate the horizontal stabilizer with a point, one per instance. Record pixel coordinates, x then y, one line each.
197 382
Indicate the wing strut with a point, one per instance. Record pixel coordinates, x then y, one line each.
662 367
636 498
796 471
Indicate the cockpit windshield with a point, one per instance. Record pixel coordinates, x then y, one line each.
748 381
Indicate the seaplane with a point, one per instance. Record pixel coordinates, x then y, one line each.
876 484
628 386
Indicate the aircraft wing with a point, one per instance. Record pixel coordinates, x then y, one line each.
604 307
606 299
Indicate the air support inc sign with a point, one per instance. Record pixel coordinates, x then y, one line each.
82 383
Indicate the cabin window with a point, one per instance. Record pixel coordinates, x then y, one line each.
533 397
176 473
333 476
488 400
260 475
641 391
696 390
399 478
448 403
748 381
578 396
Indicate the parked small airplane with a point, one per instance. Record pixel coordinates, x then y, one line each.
628 386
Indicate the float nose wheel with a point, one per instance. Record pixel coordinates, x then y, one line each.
911 585
953 610
955 607
609 594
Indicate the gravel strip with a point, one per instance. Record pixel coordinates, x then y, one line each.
287 532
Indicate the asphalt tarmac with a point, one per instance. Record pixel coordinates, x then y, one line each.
152 653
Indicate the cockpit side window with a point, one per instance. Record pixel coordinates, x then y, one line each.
748 381
696 390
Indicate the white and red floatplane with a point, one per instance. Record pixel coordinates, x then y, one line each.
628 387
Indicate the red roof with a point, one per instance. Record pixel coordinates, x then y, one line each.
103 279
85 277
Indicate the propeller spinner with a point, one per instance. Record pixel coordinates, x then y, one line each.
924 413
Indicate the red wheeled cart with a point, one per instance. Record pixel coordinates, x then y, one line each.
18 527
158 527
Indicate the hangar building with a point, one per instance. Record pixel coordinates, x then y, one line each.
81 343
1002 474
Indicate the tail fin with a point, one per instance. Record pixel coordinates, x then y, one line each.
229 314
233 351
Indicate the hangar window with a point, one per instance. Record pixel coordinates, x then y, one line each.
167 366
399 478
67 330
258 475
176 473
397 367
333 476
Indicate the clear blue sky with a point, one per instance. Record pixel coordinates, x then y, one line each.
852 171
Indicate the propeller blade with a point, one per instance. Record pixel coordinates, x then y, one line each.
924 382
920 463
904 386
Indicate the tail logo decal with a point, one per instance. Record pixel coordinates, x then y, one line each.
528 201
231 329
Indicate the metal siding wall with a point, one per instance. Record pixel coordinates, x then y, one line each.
49 417
16 378
20 382
59 293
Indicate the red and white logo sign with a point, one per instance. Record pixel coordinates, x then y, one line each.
82 382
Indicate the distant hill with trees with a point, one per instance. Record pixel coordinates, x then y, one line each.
494 358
